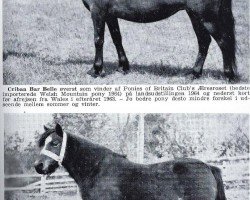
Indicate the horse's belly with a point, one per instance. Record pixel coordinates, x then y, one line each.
144 12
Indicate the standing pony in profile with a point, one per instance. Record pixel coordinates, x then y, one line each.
209 18
103 174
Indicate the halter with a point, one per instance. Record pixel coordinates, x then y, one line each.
55 157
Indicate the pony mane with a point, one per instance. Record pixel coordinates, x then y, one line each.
43 137
83 140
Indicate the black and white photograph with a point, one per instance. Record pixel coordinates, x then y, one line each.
107 139
126 156
125 100
96 42
219 140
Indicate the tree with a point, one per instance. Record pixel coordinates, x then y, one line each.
235 144
196 135
115 131
164 138
19 159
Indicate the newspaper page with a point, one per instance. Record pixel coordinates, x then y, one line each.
125 100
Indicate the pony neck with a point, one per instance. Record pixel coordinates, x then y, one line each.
82 158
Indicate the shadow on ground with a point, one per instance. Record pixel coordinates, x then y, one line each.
111 67
154 69
166 71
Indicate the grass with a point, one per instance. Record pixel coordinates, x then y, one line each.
30 196
51 42
233 194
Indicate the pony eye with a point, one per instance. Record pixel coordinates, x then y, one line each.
55 144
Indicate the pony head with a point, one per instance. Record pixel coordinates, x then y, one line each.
53 145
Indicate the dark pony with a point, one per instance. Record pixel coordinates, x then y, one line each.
209 18
102 174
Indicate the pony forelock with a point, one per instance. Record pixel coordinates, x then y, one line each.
43 137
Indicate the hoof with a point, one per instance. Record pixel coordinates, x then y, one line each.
99 74
121 70
234 79
96 73
231 76
123 66
196 75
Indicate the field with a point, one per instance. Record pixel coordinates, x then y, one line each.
232 194
51 42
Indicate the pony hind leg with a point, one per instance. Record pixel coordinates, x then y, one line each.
225 40
221 26
114 29
204 40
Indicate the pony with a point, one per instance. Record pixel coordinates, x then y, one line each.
103 174
209 18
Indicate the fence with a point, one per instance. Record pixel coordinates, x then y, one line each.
56 182
59 182
235 171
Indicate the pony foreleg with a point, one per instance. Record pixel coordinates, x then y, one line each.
117 39
99 28
204 41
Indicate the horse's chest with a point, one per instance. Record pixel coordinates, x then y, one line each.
105 188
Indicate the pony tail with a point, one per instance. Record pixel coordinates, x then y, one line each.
228 24
220 188
227 18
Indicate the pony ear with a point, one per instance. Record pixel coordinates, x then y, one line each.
45 128
59 130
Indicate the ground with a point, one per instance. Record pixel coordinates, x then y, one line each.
234 194
51 42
